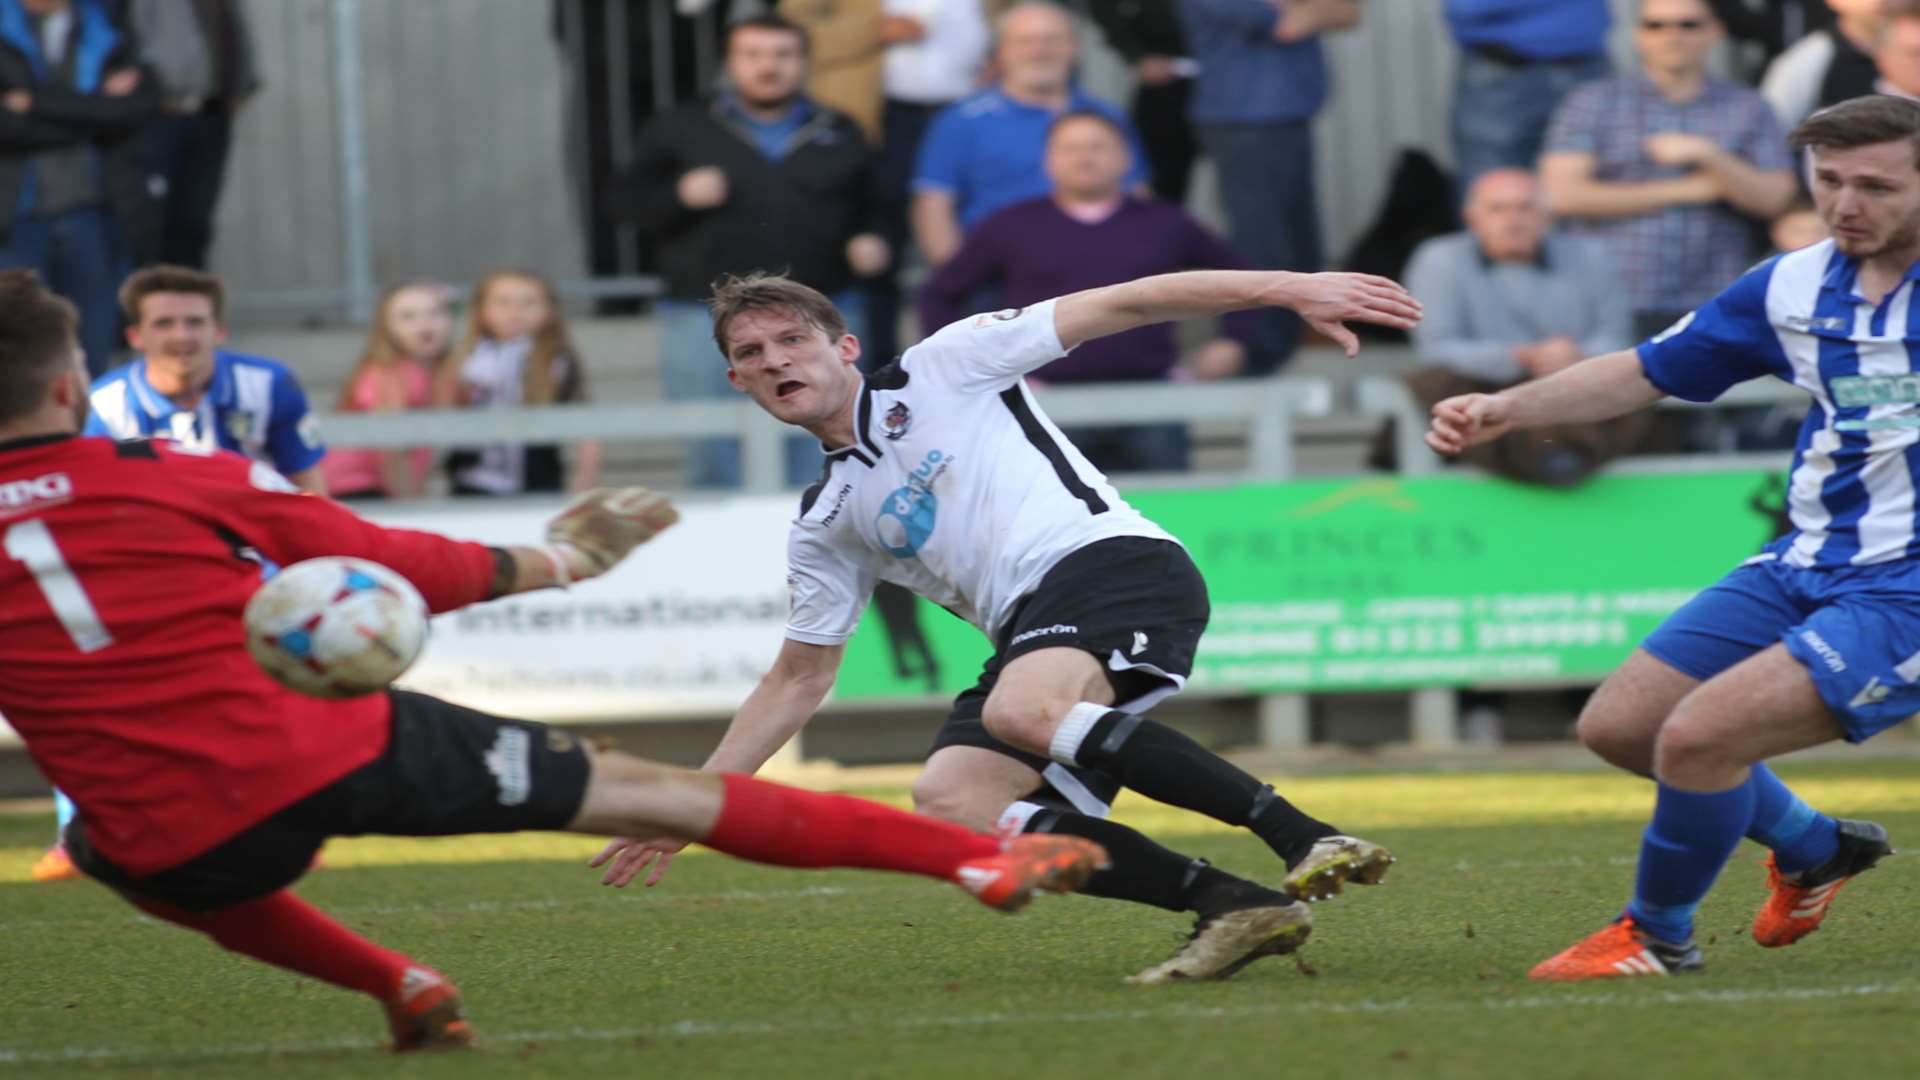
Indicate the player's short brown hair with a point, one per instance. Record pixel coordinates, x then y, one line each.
758 291
36 342
171 279
1861 121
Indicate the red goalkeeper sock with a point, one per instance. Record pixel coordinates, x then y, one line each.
286 931
773 823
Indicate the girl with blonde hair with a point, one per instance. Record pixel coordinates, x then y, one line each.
515 352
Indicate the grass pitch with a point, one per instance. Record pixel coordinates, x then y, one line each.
735 970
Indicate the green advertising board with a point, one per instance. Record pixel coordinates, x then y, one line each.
1390 582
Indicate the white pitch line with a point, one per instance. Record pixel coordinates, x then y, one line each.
1648 997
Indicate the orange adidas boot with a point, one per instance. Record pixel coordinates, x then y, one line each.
425 1014
55 865
1030 864
1796 903
1619 949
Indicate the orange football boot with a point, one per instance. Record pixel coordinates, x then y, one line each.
1618 950
1796 903
55 865
1030 864
425 1014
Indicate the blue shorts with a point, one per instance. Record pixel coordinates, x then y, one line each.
1856 630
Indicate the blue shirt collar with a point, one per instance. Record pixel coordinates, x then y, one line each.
1843 276
1077 100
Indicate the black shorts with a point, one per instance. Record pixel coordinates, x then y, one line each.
446 770
1137 604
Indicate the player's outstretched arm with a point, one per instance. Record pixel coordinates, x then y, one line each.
785 699
1590 391
1326 301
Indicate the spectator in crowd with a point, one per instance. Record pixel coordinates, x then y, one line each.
516 352
1506 302
1763 29
761 176
848 46
74 177
891 65
1263 77
201 53
184 388
1896 55
1670 166
1147 34
985 151
406 343
1826 66
1090 232
1518 58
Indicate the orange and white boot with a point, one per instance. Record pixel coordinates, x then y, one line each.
425 1013
1619 950
1797 903
1030 864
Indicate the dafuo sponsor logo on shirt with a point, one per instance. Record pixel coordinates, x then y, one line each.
18 494
908 515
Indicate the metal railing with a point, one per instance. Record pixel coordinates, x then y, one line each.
1267 407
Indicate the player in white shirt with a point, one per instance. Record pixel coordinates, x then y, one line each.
945 477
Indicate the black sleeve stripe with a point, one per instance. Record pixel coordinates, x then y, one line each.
866 417
891 377
1043 442
811 496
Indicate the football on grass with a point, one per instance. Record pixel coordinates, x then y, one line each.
335 627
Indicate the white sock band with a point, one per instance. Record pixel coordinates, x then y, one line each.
1073 731
1013 820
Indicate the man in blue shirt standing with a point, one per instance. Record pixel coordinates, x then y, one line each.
1518 58
988 150
185 389
1262 78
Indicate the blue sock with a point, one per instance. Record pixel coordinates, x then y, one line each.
1800 836
63 812
1691 837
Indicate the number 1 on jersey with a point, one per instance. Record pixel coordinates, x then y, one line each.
31 542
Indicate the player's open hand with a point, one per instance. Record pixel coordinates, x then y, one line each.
601 526
1329 301
1467 420
629 856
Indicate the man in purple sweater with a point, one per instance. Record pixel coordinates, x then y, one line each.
1089 232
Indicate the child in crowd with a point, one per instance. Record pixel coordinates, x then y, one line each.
515 352
406 342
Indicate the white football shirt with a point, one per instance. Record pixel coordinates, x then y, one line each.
957 486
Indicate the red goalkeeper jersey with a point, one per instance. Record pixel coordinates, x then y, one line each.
123 662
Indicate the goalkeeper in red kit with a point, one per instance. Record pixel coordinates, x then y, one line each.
204 787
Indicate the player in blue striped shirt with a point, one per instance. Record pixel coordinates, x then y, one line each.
1818 637
184 388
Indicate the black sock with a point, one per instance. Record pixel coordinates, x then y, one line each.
1162 764
1146 873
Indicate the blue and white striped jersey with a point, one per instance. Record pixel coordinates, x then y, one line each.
1799 317
254 406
